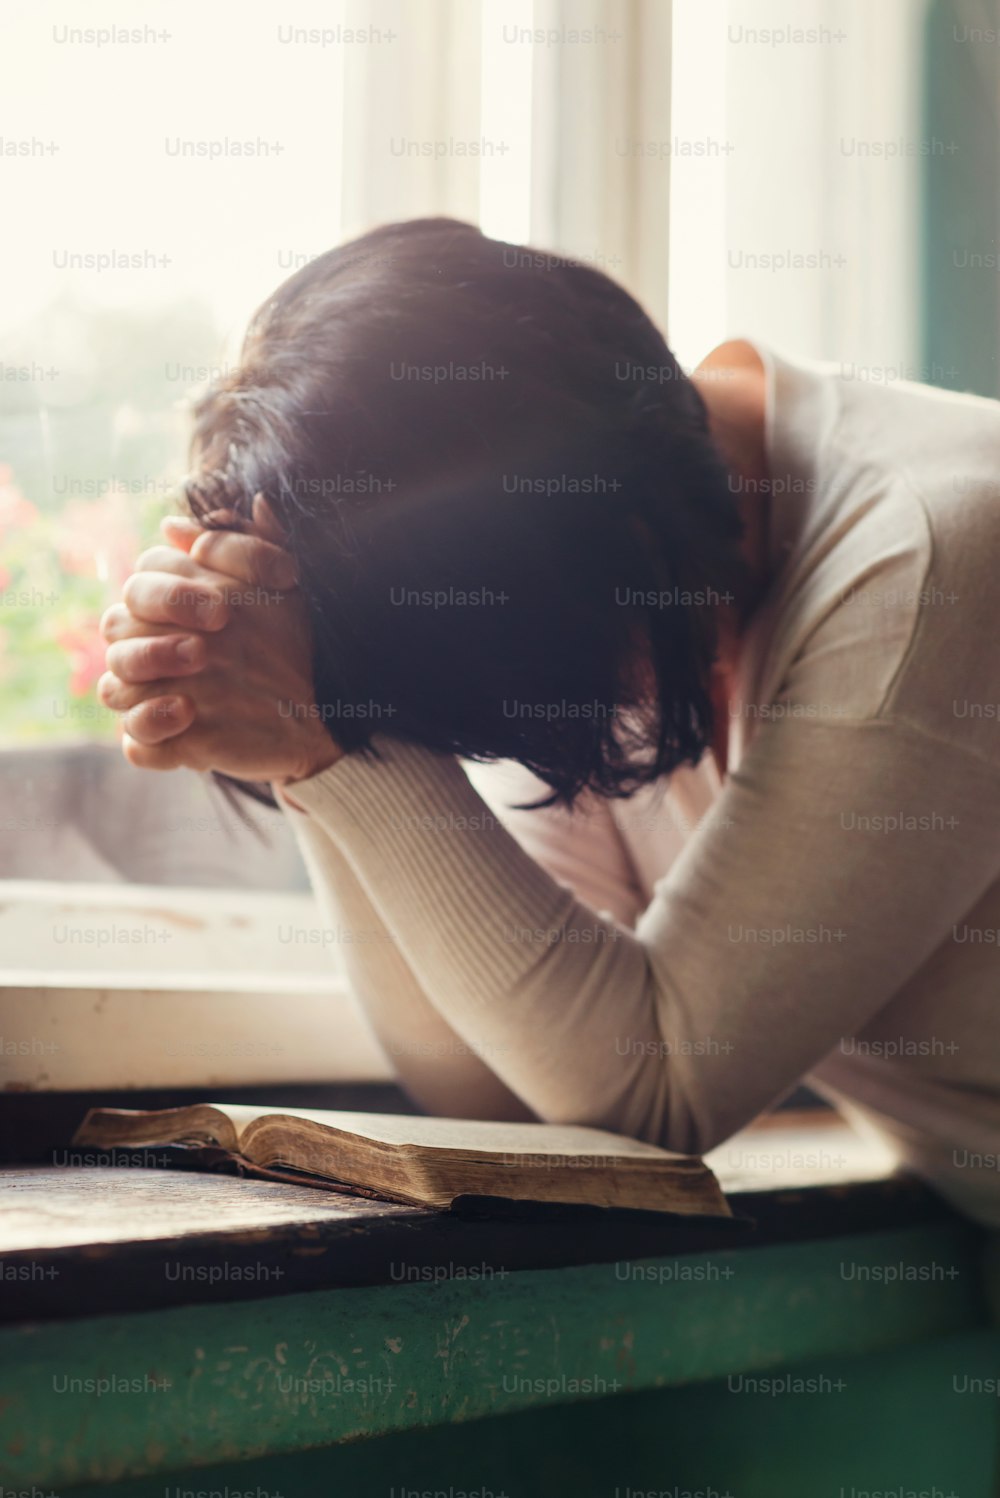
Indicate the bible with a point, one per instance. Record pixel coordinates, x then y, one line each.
421 1161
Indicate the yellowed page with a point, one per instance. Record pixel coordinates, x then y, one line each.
473 1136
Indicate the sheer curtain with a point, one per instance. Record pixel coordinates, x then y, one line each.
801 224
529 116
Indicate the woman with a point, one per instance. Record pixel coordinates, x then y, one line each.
733 635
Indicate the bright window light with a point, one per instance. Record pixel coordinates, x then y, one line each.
505 116
698 171
209 152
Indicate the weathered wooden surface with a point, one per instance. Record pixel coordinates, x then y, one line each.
88 1208
160 1321
87 1237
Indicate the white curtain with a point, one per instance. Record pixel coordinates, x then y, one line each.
589 87
803 230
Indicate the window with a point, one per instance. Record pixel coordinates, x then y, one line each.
797 140
163 173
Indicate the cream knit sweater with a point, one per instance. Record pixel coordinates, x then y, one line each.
670 966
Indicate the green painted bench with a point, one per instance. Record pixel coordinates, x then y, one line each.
171 1333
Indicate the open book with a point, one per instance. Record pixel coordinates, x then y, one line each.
423 1161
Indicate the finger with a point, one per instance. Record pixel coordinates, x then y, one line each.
169 559
266 523
162 598
166 559
119 623
165 757
246 558
155 657
159 718
117 695
122 696
180 531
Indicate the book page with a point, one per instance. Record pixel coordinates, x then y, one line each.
473 1136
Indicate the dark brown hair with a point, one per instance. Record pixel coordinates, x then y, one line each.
511 524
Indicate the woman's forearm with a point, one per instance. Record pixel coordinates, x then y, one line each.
443 1072
749 964
509 957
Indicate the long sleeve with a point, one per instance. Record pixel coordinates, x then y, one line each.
782 926
439 1069
611 854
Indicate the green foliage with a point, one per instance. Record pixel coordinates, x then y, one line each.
92 441
57 575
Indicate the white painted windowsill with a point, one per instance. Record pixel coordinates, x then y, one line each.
145 986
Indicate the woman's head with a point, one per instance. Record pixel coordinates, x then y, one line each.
511 525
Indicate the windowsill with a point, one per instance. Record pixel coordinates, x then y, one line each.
140 1216
111 987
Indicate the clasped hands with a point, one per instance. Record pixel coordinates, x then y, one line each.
210 657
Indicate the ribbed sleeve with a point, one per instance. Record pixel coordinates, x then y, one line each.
431 852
